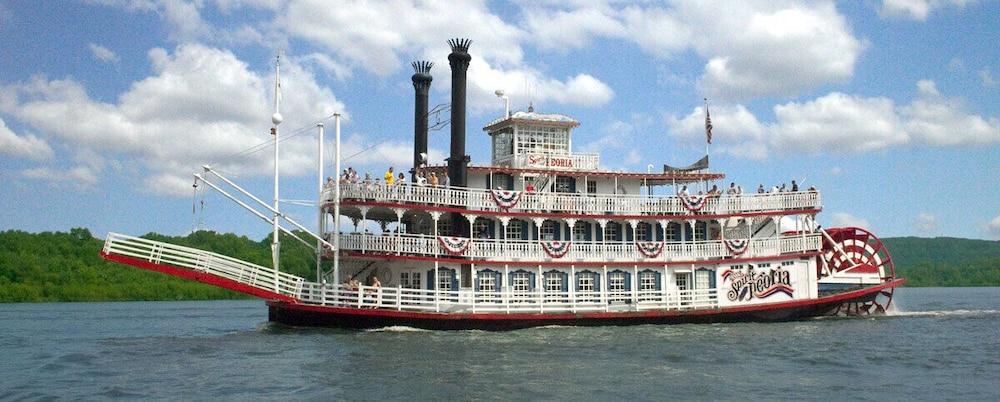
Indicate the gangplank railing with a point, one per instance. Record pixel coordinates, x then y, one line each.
203 261
584 204
505 301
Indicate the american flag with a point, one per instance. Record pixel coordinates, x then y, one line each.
708 126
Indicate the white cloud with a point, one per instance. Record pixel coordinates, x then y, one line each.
840 123
837 122
365 154
394 30
736 131
80 176
29 146
751 48
926 223
102 53
564 29
843 219
916 9
202 105
994 226
938 120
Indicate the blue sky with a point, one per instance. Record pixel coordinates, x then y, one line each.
890 108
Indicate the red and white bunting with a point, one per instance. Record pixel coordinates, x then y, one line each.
736 246
650 249
505 199
694 202
556 249
454 245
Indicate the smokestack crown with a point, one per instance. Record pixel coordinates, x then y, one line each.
459 45
422 74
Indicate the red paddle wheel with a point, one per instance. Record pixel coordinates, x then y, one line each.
858 251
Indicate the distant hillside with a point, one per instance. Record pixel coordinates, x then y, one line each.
64 266
50 267
946 261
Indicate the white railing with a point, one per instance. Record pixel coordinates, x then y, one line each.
584 204
469 301
203 261
611 251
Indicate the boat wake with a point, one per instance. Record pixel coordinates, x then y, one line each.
397 328
942 313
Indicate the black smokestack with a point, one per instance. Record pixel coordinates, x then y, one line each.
458 161
459 61
422 84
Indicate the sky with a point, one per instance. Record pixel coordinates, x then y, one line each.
107 107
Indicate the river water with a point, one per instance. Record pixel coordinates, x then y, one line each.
939 343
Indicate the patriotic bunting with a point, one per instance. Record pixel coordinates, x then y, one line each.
505 199
556 249
694 202
454 245
650 249
737 246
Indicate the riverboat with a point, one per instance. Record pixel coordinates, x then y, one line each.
542 235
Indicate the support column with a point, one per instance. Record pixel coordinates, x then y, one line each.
435 216
399 227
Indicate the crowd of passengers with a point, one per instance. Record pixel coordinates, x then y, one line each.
738 190
421 178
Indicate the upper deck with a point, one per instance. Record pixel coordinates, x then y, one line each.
505 202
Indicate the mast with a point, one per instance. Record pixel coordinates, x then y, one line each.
336 201
319 203
276 119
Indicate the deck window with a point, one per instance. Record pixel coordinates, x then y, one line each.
520 282
649 282
642 232
482 228
591 186
701 279
618 286
515 230
565 184
580 231
611 232
445 279
487 284
548 230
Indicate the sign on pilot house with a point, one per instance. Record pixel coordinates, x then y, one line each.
748 283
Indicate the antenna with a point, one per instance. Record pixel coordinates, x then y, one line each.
276 118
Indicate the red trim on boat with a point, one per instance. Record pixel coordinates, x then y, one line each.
356 202
840 297
202 277
578 263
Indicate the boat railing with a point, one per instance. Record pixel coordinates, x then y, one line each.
584 204
505 300
610 251
246 273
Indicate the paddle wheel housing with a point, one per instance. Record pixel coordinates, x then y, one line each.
857 253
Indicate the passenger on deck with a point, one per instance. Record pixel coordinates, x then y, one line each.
390 177
732 189
433 181
795 186
530 187
683 192
760 189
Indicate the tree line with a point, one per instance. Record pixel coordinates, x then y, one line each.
66 266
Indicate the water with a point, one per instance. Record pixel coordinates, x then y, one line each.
943 344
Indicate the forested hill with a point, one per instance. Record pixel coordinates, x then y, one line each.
64 266
946 261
